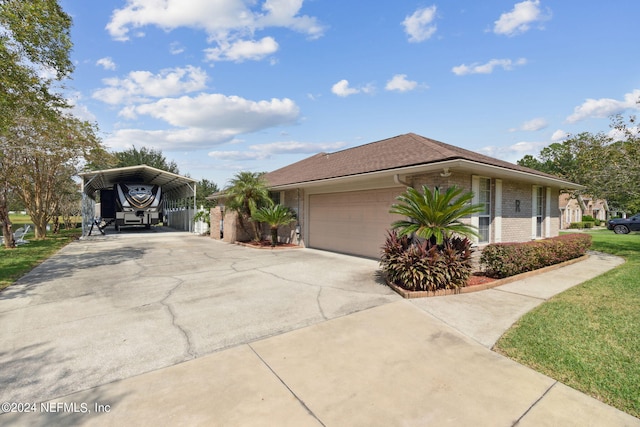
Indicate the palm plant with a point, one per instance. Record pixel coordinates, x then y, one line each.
246 192
275 216
434 215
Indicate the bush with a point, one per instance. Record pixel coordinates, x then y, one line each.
507 259
588 218
583 224
422 266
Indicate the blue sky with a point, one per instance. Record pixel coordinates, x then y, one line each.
227 85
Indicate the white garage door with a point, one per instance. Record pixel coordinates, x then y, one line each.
353 222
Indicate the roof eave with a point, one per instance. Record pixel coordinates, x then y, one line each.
453 164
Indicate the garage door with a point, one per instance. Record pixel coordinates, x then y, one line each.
353 222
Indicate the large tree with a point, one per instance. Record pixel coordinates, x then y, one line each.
145 156
205 188
42 157
606 164
34 42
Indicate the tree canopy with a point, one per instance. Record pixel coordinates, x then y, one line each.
145 156
608 165
41 145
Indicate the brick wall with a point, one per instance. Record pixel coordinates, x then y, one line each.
516 222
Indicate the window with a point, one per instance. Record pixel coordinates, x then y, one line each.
539 211
484 217
275 197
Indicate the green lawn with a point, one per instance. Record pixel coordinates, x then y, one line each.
589 336
14 263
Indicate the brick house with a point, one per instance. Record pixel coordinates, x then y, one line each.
572 208
342 199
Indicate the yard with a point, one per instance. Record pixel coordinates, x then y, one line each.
14 263
587 337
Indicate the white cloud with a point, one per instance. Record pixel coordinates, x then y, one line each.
487 68
343 89
520 19
400 83
534 124
221 20
234 114
139 86
559 135
265 151
605 107
203 121
513 153
106 63
419 26
284 13
176 48
78 109
169 139
242 50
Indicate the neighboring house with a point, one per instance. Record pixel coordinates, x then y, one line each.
572 208
597 208
342 199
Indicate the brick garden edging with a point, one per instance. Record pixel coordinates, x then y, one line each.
468 289
277 247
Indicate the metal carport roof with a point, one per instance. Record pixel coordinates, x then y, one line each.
173 186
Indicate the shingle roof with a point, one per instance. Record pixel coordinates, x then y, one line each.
388 154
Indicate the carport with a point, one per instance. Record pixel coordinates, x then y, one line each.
178 200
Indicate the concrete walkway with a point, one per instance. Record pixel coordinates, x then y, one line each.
384 362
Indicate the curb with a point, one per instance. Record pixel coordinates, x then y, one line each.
469 289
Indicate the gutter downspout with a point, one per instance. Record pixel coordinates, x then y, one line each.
397 180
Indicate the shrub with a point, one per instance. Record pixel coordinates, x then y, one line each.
507 259
576 226
588 224
423 266
588 218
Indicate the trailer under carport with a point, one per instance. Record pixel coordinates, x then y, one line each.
179 193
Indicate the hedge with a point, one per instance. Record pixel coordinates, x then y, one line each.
583 224
508 259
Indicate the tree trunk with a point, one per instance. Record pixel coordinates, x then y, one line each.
39 225
7 231
274 236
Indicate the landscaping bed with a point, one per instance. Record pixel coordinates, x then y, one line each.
266 244
416 270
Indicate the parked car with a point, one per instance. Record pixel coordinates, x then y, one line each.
624 225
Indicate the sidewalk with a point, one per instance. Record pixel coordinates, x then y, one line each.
405 363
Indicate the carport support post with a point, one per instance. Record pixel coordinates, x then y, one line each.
191 223
83 208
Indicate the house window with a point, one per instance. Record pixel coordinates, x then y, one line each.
484 217
539 211
275 197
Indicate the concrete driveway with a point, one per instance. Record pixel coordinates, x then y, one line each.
171 329
117 306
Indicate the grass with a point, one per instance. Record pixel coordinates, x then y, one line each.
589 336
14 263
